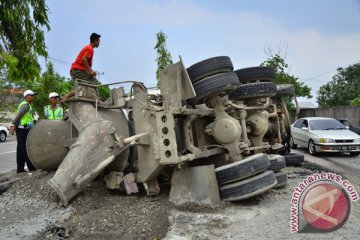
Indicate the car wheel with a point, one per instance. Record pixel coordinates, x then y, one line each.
220 84
209 67
3 136
251 74
281 178
354 154
293 159
292 144
242 169
277 162
248 187
311 148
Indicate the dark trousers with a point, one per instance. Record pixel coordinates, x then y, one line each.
21 154
83 75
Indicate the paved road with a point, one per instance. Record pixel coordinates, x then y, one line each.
341 163
8 155
342 159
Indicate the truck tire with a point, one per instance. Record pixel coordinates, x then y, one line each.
247 167
292 144
277 162
251 74
3 136
287 149
252 90
220 84
283 90
209 67
248 187
294 159
281 178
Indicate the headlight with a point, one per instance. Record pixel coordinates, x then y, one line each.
326 140
357 140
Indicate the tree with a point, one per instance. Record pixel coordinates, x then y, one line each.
163 58
282 77
50 81
22 38
355 102
343 90
9 95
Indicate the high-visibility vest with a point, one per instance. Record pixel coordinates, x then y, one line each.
56 114
27 120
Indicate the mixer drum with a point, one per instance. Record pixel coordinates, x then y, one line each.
47 143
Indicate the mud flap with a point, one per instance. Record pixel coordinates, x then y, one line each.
88 156
195 185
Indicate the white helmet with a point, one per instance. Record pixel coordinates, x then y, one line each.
53 95
29 92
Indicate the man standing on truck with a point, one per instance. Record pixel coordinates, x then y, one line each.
81 68
22 123
54 111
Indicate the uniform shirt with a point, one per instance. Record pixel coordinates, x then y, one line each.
21 113
54 113
88 52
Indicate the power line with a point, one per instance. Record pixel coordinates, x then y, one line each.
59 61
322 74
326 73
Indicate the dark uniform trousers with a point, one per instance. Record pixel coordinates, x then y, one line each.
21 153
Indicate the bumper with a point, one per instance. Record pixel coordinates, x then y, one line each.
337 147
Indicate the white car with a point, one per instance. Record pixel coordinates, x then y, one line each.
3 133
320 134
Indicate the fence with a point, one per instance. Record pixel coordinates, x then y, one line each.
352 114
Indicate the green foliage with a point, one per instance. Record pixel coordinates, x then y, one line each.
22 38
343 89
47 83
8 98
281 77
104 92
163 58
355 102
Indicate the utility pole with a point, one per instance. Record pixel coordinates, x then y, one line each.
99 74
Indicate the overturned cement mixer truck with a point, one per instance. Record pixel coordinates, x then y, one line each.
214 132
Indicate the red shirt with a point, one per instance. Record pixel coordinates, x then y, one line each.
88 52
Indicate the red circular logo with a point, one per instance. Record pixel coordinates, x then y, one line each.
325 206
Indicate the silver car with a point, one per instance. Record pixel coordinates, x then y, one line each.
320 134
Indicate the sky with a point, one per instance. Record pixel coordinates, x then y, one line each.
316 36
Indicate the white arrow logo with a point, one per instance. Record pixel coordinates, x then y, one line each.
330 195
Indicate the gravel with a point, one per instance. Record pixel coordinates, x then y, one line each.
30 210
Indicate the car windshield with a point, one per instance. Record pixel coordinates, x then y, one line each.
326 124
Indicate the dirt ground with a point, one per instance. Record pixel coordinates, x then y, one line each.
30 210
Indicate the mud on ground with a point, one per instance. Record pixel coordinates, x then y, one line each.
31 210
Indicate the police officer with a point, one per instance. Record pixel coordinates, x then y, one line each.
22 123
54 111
